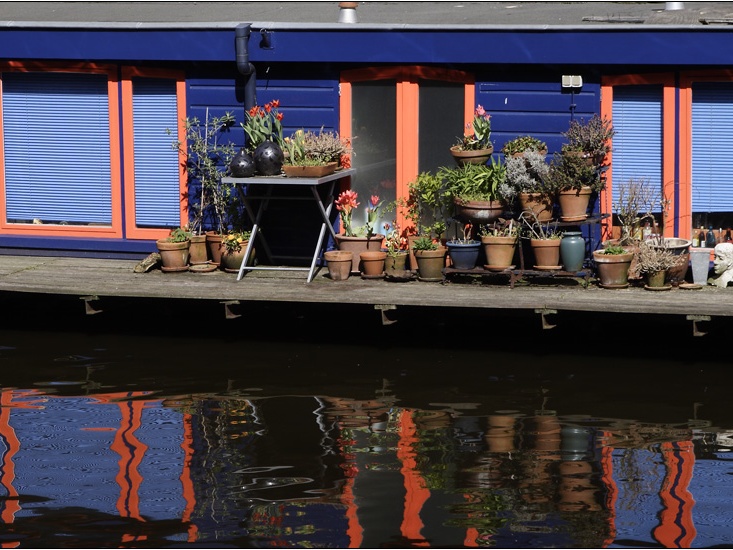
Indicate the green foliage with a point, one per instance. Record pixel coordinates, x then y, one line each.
572 171
521 144
615 250
424 243
527 174
428 204
178 235
591 137
474 182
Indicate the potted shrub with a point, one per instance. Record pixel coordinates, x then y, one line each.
463 251
574 181
475 146
653 262
475 190
635 205
173 251
210 202
499 241
526 181
590 139
430 259
517 146
395 264
612 266
545 242
313 155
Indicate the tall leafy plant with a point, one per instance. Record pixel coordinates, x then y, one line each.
206 157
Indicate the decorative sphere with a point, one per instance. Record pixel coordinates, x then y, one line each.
242 165
269 158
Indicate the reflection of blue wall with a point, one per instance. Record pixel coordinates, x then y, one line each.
65 455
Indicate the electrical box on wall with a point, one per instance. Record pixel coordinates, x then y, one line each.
572 81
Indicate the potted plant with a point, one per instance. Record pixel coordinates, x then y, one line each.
653 262
475 190
263 127
173 250
612 266
637 201
234 245
313 155
526 182
545 241
590 139
395 264
574 182
463 251
475 146
210 203
517 146
430 259
358 239
500 244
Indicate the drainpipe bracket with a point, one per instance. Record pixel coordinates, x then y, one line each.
544 312
89 307
383 308
696 319
229 307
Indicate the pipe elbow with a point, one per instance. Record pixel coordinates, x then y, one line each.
241 44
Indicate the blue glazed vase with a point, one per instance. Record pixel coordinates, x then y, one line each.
572 250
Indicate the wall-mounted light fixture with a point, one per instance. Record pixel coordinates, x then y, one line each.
572 81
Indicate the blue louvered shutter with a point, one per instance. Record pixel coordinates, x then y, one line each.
712 137
637 145
57 148
157 191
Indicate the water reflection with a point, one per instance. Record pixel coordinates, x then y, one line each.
239 438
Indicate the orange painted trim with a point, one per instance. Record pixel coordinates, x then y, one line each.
115 229
416 493
676 528
469 100
189 493
669 125
128 73
11 506
611 488
685 137
408 115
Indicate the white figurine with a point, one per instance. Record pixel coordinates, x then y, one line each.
723 264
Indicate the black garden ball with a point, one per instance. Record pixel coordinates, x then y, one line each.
268 158
242 165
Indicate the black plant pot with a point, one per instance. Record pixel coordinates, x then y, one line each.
242 165
268 158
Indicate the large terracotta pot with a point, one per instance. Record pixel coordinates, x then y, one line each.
213 243
574 204
198 252
430 264
612 269
396 264
499 251
339 264
540 204
357 245
546 253
680 248
173 256
479 156
231 260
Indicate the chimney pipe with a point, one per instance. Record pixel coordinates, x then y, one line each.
241 45
347 12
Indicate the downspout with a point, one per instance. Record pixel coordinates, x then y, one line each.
244 66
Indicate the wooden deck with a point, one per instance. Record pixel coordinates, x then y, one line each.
94 280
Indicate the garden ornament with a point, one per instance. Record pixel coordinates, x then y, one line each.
723 264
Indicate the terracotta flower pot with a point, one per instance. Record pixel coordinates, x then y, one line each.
214 246
540 204
372 263
478 212
546 253
357 245
574 204
613 269
430 264
396 263
499 251
173 256
198 251
478 156
339 264
231 260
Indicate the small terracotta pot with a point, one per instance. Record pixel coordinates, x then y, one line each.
372 262
339 264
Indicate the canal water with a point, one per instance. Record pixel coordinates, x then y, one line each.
161 424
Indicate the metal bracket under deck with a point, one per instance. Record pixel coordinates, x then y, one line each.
383 308
89 307
228 311
695 319
544 312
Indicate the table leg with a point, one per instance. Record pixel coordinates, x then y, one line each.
248 251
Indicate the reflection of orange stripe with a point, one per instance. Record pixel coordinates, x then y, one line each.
354 531
471 539
131 452
188 491
676 528
611 489
415 492
7 473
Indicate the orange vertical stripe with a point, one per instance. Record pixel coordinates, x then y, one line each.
611 488
416 494
7 475
189 493
131 452
676 528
